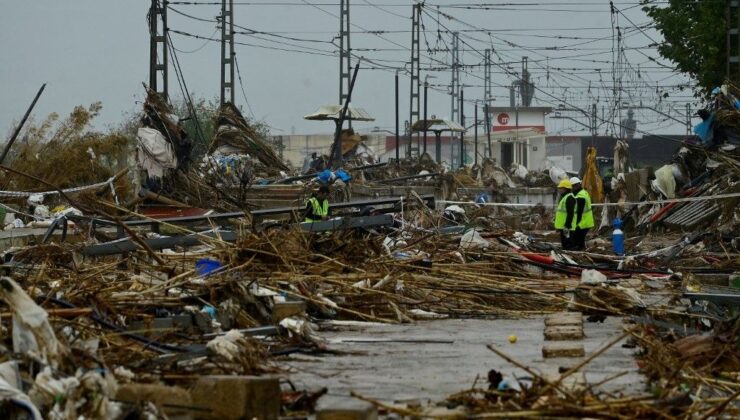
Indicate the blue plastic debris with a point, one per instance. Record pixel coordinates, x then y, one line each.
704 129
325 176
210 310
344 176
207 267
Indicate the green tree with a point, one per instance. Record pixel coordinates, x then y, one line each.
695 38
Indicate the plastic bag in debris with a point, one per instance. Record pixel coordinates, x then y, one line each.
35 199
557 174
326 176
520 171
425 172
227 346
592 277
63 395
664 181
31 329
704 129
155 153
521 239
11 392
65 211
207 266
301 328
47 388
472 240
41 211
455 209
342 175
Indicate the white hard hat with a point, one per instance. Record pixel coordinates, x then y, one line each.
575 180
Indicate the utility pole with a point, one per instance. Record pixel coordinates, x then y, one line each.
593 124
227 51
487 96
426 95
455 84
397 124
688 118
462 135
733 40
475 115
345 65
414 102
158 47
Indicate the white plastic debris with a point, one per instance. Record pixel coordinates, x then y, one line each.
472 240
123 374
455 209
422 314
155 153
520 171
41 211
521 238
633 294
35 199
227 345
31 329
10 392
301 327
592 277
557 174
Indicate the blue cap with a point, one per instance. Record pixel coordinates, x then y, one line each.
617 223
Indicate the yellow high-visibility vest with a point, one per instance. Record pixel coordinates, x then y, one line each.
319 209
561 213
587 217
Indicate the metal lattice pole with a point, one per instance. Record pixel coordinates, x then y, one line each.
345 64
455 84
415 97
158 47
487 97
227 51
733 40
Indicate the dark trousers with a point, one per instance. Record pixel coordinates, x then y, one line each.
578 237
566 243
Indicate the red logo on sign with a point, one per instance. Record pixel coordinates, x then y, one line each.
503 118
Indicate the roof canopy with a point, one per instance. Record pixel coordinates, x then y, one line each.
437 125
332 112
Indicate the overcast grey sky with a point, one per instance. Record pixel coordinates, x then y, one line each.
98 50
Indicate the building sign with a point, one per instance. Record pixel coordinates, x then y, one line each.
503 118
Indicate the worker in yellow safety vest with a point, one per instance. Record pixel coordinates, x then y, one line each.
584 214
317 207
565 214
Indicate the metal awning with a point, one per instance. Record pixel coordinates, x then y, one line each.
332 113
437 125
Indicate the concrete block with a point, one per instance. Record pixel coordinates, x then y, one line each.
564 318
345 409
564 349
174 401
284 310
237 397
563 332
